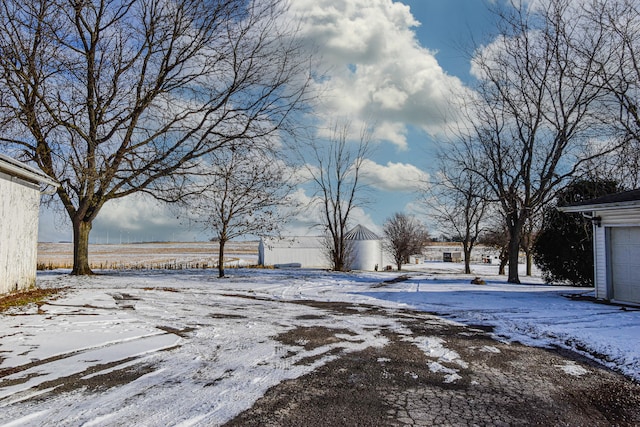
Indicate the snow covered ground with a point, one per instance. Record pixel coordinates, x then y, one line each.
210 343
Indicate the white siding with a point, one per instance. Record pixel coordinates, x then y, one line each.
19 204
626 217
600 262
306 251
611 263
625 263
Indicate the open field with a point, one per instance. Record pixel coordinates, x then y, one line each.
180 255
165 255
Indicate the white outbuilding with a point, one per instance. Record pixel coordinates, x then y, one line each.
299 251
310 252
19 212
616 244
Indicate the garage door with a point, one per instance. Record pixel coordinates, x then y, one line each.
625 264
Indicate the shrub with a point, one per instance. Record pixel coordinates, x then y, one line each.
563 249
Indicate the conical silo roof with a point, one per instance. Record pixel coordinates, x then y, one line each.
360 232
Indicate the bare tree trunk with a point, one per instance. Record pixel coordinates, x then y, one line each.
503 262
467 261
513 250
337 253
221 258
529 263
81 230
342 252
466 248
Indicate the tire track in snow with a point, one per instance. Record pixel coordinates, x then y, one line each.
29 380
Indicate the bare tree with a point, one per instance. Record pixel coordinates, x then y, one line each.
336 174
404 236
534 115
244 192
114 97
620 78
497 237
529 234
458 201
620 74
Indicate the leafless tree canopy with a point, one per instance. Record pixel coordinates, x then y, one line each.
112 97
458 201
336 174
243 193
404 236
537 109
620 78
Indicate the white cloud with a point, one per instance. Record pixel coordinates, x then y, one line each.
141 218
393 176
378 71
135 218
136 212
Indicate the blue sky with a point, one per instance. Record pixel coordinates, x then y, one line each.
391 62
448 25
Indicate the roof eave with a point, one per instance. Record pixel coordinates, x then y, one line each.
20 170
601 207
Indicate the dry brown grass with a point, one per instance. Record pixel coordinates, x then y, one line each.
32 296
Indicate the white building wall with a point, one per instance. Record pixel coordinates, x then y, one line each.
627 217
19 205
306 251
600 262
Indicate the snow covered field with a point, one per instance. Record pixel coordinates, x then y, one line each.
173 255
210 343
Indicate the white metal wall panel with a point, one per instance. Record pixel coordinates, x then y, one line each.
626 217
625 264
600 262
19 205
306 251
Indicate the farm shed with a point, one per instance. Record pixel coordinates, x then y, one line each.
300 251
452 256
19 209
616 244
309 252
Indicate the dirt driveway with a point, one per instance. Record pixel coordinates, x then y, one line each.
473 381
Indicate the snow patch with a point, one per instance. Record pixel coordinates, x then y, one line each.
571 368
433 347
26 419
451 375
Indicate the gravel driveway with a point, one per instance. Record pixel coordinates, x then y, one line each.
495 384
187 349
